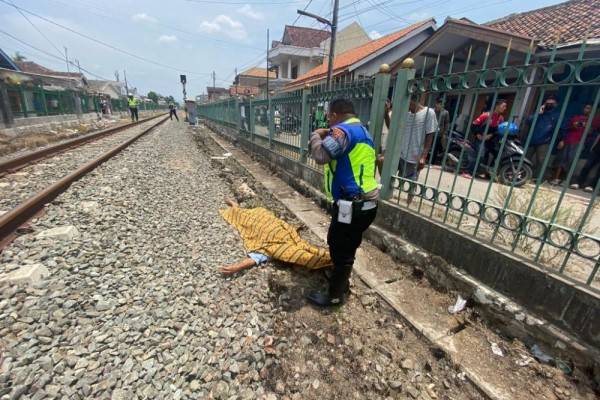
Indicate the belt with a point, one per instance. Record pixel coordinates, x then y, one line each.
369 205
364 205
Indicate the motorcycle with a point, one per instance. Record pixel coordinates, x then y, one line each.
514 165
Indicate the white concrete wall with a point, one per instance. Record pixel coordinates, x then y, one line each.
348 38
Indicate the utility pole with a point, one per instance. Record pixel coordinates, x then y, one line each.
214 76
125 78
117 76
268 69
78 66
67 59
333 25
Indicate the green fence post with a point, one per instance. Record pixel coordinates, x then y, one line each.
380 92
251 118
44 103
61 107
23 101
304 125
271 121
400 102
238 117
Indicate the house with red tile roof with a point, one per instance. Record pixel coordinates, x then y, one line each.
298 51
365 60
565 24
463 45
302 49
250 81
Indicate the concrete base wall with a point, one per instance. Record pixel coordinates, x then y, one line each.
572 310
34 125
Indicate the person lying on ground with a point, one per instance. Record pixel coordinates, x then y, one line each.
267 237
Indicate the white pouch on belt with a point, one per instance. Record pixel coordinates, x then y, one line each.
344 211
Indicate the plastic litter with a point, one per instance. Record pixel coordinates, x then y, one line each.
497 350
540 355
524 361
458 306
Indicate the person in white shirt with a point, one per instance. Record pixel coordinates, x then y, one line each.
416 139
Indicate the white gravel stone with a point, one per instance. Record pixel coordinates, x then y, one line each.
60 233
138 293
28 274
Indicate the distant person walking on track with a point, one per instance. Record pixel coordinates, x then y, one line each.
173 112
347 151
133 107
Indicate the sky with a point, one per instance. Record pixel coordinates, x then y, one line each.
155 41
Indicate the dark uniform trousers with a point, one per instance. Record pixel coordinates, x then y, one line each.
344 240
134 113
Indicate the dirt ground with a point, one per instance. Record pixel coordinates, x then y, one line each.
365 349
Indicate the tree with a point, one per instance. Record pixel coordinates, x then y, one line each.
153 96
19 57
170 99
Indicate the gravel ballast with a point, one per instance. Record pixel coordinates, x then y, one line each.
19 186
134 306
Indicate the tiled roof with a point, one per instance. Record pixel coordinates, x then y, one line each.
571 19
346 59
303 37
34 68
258 73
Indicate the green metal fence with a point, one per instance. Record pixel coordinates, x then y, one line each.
37 101
486 179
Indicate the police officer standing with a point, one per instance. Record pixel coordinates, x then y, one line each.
133 107
347 151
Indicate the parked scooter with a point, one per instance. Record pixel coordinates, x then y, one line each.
512 154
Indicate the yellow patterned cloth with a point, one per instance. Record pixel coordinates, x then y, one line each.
264 233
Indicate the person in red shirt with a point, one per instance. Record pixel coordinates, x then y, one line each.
479 126
575 129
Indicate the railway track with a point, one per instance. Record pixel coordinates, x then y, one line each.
27 183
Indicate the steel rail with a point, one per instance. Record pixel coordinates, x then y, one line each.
24 160
11 221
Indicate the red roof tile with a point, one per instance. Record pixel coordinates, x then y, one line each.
34 68
572 19
258 73
303 37
346 59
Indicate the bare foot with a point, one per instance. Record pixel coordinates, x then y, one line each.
237 267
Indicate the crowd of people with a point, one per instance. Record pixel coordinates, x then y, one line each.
350 160
422 124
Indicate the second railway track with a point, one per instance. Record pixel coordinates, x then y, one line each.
24 193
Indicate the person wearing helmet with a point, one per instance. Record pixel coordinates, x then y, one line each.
132 103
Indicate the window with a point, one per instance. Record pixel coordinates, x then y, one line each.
294 72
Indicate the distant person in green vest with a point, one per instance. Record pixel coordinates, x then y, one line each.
133 107
173 112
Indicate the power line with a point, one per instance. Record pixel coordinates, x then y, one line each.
226 3
109 45
37 29
304 9
106 14
50 54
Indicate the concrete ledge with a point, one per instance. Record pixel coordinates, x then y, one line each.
572 309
